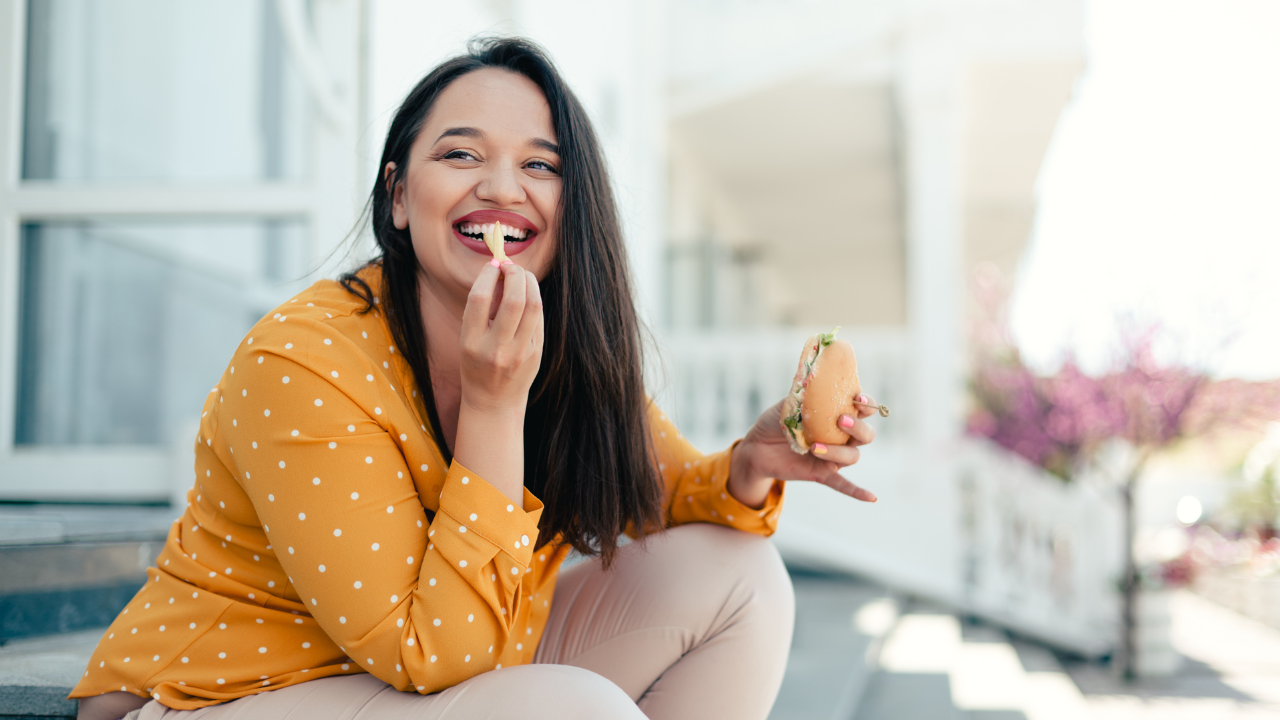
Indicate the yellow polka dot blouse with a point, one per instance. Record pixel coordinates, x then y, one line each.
325 535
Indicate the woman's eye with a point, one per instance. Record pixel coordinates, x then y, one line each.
458 155
540 165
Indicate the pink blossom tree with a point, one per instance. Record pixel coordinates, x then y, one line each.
1060 421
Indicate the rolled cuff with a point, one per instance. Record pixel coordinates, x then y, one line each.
702 495
476 521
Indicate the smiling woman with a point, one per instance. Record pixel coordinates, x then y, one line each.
395 465
497 137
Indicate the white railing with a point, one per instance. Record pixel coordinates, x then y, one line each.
715 383
1040 555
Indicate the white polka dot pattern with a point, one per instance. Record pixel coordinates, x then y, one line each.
333 505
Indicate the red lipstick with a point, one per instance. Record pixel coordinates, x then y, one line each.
512 221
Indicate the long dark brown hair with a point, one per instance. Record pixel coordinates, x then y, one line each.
587 450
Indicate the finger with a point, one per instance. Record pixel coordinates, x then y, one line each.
837 482
536 338
840 455
538 335
475 315
512 307
859 432
531 319
869 406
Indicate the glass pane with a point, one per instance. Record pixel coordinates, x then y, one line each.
161 90
126 325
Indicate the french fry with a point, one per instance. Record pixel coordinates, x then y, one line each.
493 238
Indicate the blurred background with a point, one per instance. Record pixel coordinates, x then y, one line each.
1048 227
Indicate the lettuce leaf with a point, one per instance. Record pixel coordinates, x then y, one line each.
825 339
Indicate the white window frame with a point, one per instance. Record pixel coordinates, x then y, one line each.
331 52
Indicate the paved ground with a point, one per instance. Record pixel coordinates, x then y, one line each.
840 626
933 666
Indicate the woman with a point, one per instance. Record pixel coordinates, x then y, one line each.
372 469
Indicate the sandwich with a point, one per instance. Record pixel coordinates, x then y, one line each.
825 387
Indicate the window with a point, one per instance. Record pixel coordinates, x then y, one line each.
160 90
180 167
125 325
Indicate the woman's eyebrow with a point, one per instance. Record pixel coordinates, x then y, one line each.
476 133
545 145
467 132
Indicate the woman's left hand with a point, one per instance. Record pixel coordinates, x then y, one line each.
765 453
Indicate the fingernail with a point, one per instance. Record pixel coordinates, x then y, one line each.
846 421
507 261
819 449
863 399
494 262
874 498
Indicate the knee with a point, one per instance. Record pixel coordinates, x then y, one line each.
769 574
573 693
756 565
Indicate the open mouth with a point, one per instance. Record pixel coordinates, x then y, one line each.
518 233
476 231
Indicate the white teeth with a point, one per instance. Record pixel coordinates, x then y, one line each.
481 229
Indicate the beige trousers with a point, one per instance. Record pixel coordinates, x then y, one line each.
694 623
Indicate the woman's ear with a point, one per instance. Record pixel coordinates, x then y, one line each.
399 216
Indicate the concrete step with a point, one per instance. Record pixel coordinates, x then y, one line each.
66 568
47 523
36 674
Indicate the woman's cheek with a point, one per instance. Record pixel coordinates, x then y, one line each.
546 259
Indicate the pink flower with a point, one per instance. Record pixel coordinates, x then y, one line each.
1058 421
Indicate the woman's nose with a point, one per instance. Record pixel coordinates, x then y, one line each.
501 185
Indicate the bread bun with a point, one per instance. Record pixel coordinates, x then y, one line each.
824 388
833 385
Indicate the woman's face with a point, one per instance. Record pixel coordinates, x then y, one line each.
486 154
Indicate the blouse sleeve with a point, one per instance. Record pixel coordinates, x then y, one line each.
696 484
420 604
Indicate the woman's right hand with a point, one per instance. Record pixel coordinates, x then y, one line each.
501 349
501 340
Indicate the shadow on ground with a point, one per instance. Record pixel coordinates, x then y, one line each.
1194 680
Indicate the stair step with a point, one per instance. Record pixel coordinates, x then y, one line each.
38 673
65 568
49 523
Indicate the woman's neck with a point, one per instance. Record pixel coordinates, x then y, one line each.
442 325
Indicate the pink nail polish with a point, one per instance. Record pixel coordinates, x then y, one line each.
494 262
819 449
508 261
846 421
863 399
